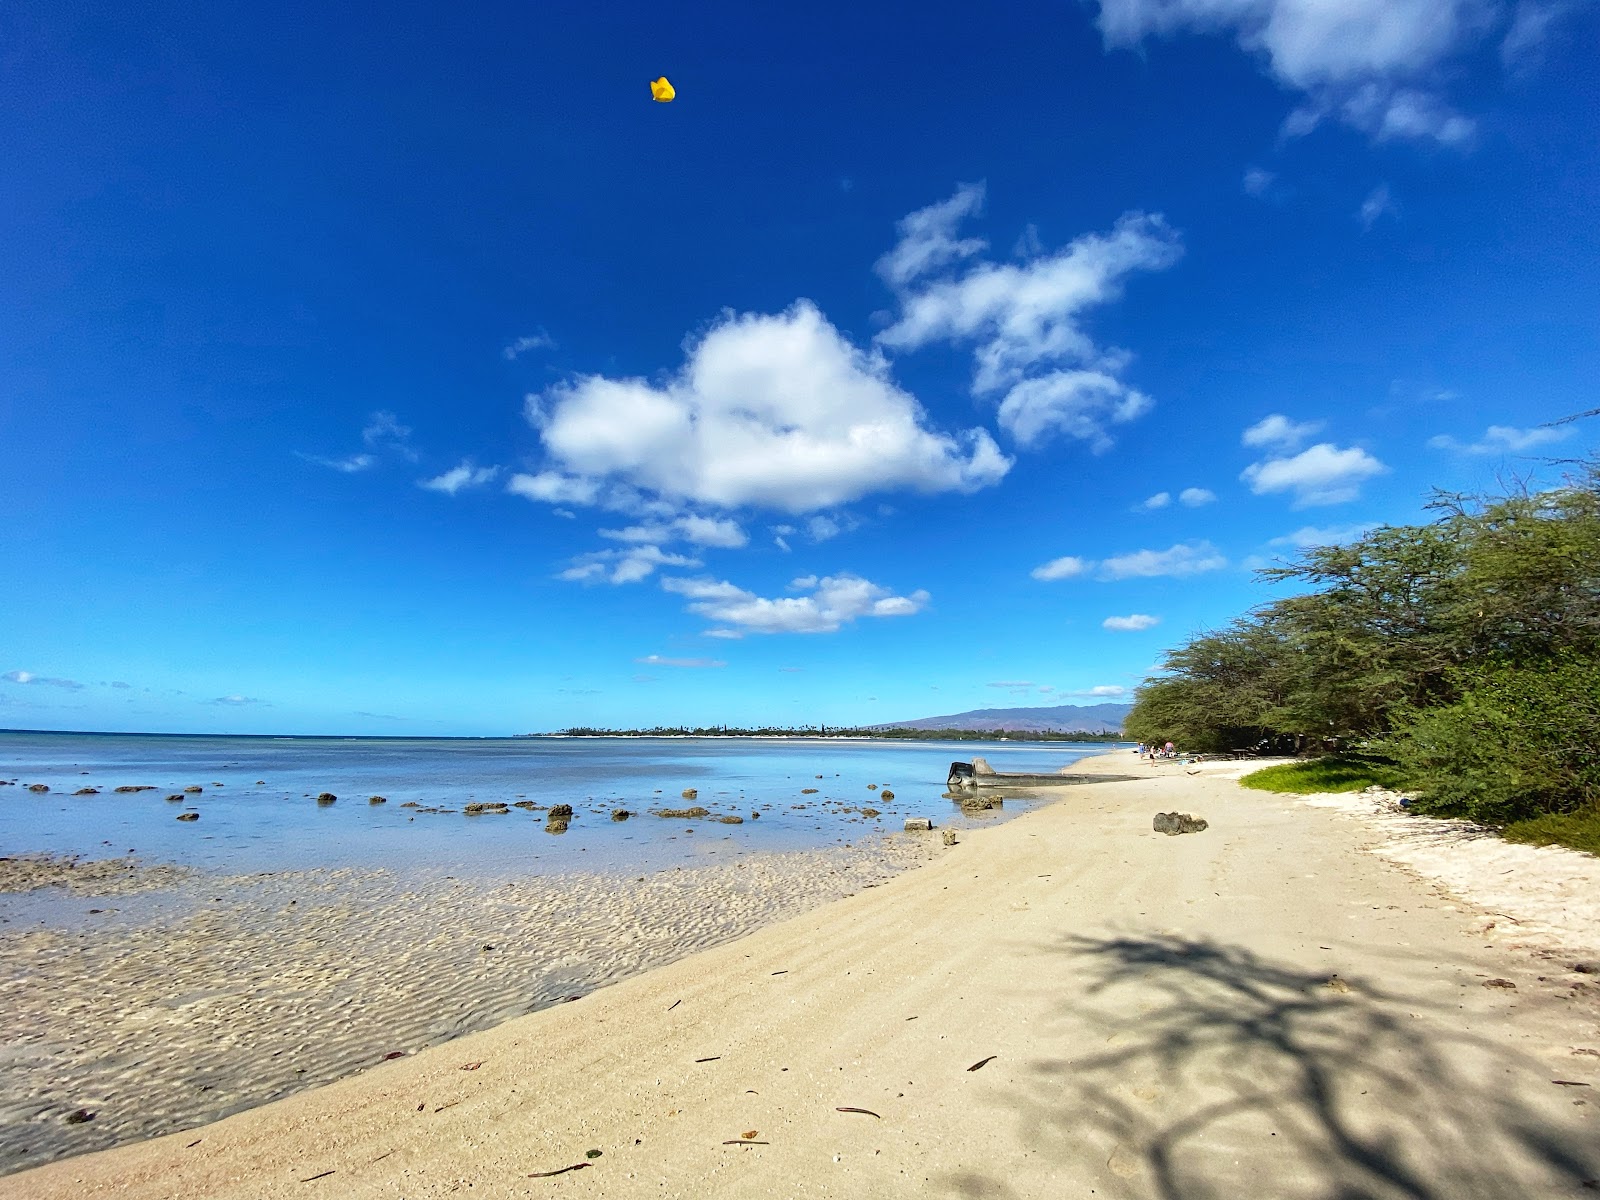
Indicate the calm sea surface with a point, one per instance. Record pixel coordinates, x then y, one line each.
263 816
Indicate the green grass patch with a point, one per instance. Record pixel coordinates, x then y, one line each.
1337 773
1576 831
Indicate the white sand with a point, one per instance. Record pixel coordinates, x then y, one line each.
1260 1010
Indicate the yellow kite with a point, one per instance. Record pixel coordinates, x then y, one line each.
662 90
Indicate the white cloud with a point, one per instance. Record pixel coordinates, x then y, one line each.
1104 691
349 465
1159 501
1257 180
1278 432
623 566
700 531
1133 623
28 677
1068 567
1501 439
1025 319
1323 474
1194 497
1377 203
1178 561
383 431
1311 535
774 411
928 239
1372 63
459 478
554 488
822 529
656 660
237 701
835 600
535 341
1011 685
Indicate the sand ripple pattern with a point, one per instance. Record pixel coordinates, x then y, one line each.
234 992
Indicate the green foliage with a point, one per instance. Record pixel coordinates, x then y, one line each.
1517 742
1576 831
1341 773
1388 627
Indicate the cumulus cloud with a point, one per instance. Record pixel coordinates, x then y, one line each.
1377 203
833 601
533 341
459 478
776 411
1376 65
1322 474
1159 501
28 677
1104 691
623 566
1180 561
1067 567
656 660
1501 439
1279 433
701 531
1025 320
1132 623
1195 497
1312 535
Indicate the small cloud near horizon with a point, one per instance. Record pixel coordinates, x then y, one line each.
238 701
28 677
657 660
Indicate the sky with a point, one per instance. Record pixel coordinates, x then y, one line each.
408 370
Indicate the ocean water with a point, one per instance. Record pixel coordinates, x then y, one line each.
258 811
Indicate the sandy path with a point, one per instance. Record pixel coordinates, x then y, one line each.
1262 1009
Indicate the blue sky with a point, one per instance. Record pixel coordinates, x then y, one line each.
406 369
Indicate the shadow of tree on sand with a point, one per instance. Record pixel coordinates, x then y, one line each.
1225 1075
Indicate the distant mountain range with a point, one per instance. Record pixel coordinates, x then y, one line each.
1062 718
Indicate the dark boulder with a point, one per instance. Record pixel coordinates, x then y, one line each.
1174 823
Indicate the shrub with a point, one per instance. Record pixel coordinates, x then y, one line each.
1520 742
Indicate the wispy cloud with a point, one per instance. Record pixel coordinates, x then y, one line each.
832 602
349 465
1311 535
238 701
700 531
520 346
623 566
1196 497
1379 202
657 660
1501 439
1257 180
460 478
383 431
1155 503
1368 63
1180 561
1133 623
1025 320
29 678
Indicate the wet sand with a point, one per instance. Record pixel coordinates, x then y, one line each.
158 1012
1064 1005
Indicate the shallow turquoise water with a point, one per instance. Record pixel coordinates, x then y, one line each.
276 825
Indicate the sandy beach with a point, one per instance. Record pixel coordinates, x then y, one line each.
1292 1003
